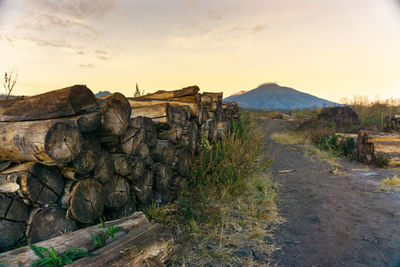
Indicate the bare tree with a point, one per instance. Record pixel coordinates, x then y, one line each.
137 92
10 79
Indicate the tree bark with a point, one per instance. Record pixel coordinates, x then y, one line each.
49 222
104 169
13 216
187 91
116 112
84 200
163 152
50 142
149 241
162 177
80 239
116 192
38 183
54 104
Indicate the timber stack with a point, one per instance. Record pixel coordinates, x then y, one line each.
373 145
68 158
392 123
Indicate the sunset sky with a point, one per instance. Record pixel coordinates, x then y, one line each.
329 48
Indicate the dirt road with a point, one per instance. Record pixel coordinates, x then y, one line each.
332 219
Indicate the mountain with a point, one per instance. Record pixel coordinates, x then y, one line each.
240 93
102 93
272 96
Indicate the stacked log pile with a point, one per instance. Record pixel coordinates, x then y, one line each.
392 123
371 145
68 158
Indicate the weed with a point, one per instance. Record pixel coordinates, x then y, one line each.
381 161
289 138
50 258
394 181
100 239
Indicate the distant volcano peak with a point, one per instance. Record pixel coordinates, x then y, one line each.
271 96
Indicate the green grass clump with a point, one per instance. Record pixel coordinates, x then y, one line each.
290 138
100 239
48 257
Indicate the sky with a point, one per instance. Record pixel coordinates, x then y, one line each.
329 48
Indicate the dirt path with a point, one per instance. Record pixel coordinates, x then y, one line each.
332 220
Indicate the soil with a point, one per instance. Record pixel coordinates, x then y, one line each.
338 218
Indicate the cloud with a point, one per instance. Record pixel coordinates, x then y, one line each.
81 53
101 52
81 9
259 28
103 58
213 15
89 65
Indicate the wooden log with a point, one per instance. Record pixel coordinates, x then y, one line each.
209 130
370 137
179 115
70 173
173 134
84 200
195 108
223 129
208 98
190 137
189 98
49 222
58 103
13 216
150 137
143 151
132 140
149 241
386 148
35 182
162 177
116 112
89 123
86 160
184 162
116 192
144 187
138 170
104 168
50 142
159 113
187 91
123 164
164 151
80 239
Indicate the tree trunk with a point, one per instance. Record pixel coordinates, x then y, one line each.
13 216
79 239
164 152
187 91
55 104
84 200
116 112
150 241
50 142
49 222
38 183
116 192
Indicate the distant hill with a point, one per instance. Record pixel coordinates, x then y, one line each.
272 96
102 93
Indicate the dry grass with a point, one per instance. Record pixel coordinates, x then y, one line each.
290 138
391 182
372 113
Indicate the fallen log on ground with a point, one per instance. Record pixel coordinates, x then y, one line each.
80 239
149 241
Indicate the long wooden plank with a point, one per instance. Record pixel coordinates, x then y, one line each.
81 239
148 241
